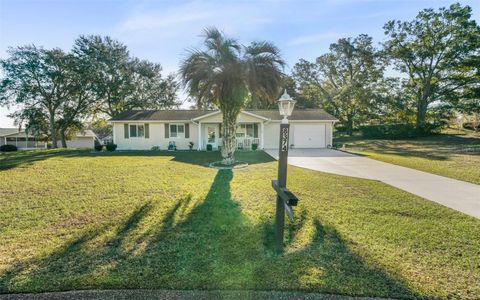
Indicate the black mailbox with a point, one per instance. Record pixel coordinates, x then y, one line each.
292 200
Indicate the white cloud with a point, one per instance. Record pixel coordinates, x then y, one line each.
194 15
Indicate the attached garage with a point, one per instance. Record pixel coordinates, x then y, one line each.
309 135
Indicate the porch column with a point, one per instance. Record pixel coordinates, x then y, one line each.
261 134
199 135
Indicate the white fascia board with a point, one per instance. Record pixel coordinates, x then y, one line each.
152 121
255 115
207 115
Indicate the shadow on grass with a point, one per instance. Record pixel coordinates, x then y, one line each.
204 245
25 158
436 147
10 160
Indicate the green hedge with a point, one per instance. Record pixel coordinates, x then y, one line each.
111 147
8 148
397 131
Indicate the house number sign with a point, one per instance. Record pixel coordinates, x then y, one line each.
284 139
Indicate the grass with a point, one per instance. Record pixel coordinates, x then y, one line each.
75 220
455 156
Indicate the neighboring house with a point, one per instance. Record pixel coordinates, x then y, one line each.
143 129
19 138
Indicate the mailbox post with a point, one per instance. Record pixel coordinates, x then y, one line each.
285 199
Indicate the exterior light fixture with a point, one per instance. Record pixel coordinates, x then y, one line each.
285 106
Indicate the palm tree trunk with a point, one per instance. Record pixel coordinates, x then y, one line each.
229 127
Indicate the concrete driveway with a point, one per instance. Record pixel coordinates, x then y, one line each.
456 194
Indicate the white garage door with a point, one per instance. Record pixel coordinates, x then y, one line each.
309 136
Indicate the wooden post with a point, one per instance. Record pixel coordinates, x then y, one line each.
282 183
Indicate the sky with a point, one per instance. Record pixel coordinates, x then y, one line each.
163 31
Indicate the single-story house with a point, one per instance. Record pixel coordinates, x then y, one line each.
144 129
21 139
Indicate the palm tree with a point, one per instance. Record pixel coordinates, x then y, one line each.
227 75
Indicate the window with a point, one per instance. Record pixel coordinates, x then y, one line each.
177 130
137 130
249 130
245 130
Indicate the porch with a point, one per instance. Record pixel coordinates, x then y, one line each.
247 135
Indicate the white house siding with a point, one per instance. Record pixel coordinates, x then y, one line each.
81 142
156 137
271 135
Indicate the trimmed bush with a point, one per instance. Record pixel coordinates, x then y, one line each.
111 147
209 147
254 147
98 147
8 148
155 148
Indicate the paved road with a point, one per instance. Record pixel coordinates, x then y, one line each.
456 194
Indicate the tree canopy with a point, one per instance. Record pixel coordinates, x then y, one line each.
228 75
342 81
434 50
98 77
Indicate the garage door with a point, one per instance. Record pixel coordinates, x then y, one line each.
309 136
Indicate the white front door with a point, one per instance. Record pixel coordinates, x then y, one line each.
211 134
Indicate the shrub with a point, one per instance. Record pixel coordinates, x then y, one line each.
397 131
155 148
209 147
8 148
111 147
98 147
254 146
190 145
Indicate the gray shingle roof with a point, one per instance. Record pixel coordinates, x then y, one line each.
6 131
186 115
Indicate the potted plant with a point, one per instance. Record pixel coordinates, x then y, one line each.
254 146
190 145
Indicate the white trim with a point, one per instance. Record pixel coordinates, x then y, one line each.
153 121
262 140
254 115
199 135
207 115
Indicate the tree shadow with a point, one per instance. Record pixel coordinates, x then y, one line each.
437 147
201 158
205 244
10 160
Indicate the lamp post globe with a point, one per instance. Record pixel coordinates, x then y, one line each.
285 106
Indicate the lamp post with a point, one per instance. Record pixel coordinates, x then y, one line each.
285 199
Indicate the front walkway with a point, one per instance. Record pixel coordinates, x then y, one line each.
456 194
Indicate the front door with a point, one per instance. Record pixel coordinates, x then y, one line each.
212 135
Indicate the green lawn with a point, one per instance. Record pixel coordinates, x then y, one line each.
455 156
75 220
